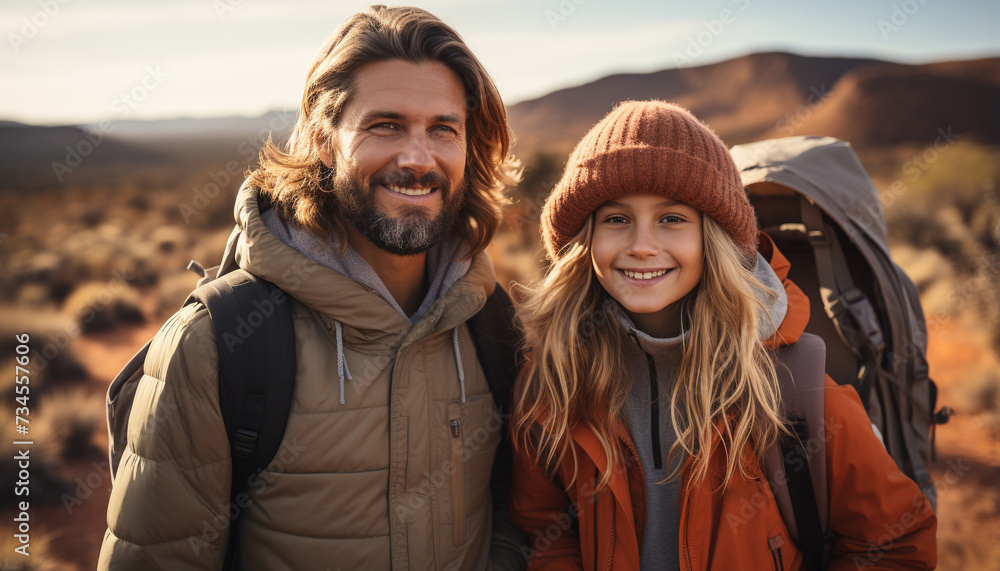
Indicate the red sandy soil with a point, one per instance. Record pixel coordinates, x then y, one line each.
967 471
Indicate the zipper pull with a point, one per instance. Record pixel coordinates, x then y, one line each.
456 428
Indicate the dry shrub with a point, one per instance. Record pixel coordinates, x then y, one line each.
52 360
98 306
512 260
67 424
942 229
926 267
208 250
169 239
982 393
35 296
173 290
40 557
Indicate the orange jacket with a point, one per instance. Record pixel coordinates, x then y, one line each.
879 516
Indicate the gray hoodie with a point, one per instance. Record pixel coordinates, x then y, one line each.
648 418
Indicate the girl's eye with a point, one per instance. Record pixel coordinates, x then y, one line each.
616 219
672 219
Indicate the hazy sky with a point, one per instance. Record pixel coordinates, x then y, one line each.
78 61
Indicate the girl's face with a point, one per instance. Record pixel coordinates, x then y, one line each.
648 254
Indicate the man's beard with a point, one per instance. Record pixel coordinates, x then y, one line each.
412 233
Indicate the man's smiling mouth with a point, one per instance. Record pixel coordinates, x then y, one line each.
410 191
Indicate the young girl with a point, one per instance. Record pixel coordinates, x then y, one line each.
651 396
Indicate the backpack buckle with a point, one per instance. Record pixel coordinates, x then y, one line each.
854 303
246 441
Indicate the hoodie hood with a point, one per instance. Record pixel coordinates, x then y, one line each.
354 313
445 262
254 248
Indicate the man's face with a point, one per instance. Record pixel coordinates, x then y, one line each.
400 154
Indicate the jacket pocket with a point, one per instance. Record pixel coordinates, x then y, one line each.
775 543
458 478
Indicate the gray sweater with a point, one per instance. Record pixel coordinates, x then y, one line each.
648 406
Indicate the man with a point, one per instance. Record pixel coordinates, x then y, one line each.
373 221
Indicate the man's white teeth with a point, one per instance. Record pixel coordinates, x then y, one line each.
410 191
644 275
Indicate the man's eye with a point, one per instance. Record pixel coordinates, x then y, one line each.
384 126
445 129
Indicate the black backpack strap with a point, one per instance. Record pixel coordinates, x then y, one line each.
256 344
850 310
498 343
498 348
803 496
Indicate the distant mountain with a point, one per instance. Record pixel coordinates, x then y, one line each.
891 104
35 155
31 153
869 102
279 122
865 101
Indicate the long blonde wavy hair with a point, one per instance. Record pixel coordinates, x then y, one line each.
577 374
295 180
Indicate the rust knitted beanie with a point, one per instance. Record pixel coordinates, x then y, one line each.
649 147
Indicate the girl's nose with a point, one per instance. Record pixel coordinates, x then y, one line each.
643 244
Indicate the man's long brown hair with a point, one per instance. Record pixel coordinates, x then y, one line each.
297 182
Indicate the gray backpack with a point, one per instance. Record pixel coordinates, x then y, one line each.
815 200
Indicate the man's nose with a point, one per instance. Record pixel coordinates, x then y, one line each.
416 155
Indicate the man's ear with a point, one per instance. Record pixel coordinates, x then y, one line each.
323 148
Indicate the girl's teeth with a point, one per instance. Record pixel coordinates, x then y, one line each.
644 275
410 191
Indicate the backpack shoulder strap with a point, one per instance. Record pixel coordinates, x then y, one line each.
796 466
254 333
498 348
498 344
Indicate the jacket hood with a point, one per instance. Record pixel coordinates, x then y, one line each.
338 298
797 314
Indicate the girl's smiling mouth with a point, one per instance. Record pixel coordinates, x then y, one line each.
644 275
